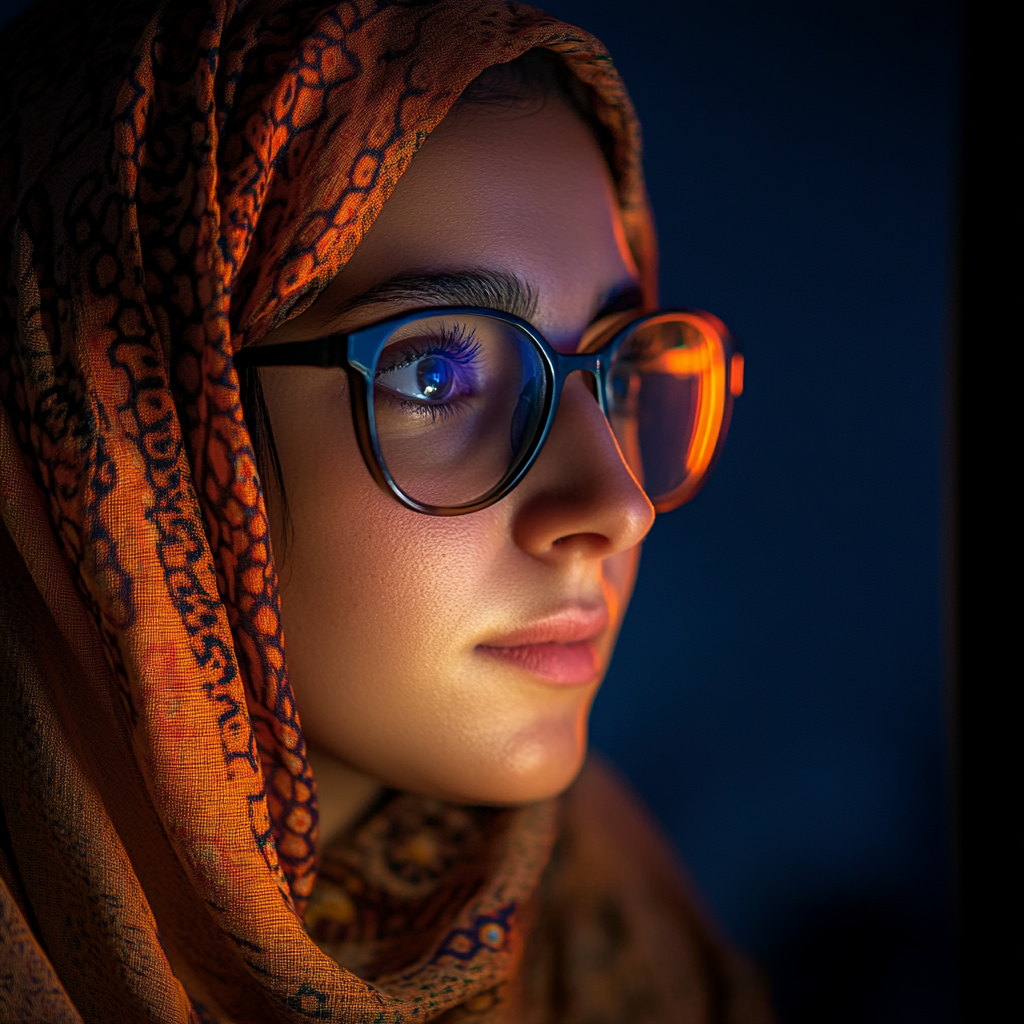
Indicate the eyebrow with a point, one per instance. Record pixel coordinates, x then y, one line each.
487 289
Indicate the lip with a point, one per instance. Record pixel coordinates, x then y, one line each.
560 649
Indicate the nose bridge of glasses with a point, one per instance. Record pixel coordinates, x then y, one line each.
590 366
589 362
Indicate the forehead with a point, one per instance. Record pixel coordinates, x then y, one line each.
524 192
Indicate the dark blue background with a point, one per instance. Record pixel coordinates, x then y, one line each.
777 696
778 691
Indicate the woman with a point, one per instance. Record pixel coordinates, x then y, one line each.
266 375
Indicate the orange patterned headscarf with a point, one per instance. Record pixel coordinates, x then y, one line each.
177 178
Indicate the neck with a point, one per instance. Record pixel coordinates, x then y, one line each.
343 794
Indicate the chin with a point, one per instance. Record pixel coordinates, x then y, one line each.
534 764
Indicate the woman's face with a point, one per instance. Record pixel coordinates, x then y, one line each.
458 657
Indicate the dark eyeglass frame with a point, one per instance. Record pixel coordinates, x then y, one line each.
357 352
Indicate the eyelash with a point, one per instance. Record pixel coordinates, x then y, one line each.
456 345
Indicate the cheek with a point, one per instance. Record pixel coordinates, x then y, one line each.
363 578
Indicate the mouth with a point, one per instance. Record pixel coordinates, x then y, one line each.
560 649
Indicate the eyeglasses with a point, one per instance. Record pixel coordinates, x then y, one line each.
453 405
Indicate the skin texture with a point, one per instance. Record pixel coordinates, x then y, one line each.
387 611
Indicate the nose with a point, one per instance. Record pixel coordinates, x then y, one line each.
580 498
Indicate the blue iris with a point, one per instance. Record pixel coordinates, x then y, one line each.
434 377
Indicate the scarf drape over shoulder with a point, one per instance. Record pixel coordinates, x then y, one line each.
175 180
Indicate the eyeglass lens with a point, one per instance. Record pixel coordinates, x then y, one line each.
666 402
457 402
459 399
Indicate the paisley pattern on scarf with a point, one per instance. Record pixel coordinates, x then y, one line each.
421 881
175 179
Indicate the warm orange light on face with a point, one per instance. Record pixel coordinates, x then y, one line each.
736 375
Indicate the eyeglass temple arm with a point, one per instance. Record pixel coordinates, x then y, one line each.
324 352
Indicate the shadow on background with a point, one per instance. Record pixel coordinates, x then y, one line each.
777 695
778 691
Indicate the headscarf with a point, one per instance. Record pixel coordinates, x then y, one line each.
177 178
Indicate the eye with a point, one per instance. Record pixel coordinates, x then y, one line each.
434 377
430 378
433 369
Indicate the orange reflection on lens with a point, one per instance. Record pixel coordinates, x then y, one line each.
703 360
711 403
682 362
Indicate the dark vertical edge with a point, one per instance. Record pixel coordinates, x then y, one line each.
987 517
